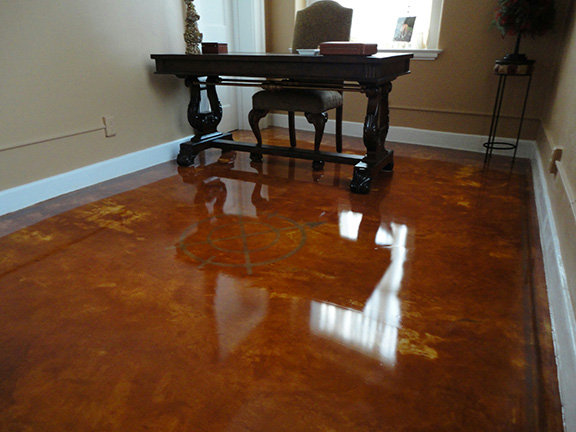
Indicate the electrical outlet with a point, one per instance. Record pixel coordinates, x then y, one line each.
109 125
556 156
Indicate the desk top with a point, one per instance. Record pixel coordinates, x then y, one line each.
374 69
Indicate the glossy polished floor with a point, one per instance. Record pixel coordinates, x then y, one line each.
232 296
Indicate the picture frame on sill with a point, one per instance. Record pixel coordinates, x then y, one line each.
404 29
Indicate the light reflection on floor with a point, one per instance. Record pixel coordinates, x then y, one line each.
374 330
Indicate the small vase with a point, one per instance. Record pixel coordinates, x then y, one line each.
515 57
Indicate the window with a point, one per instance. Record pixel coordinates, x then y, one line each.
397 25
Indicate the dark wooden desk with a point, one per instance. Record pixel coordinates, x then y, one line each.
370 75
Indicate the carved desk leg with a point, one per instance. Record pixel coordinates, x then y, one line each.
205 124
376 126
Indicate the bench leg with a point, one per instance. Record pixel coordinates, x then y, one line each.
254 118
318 120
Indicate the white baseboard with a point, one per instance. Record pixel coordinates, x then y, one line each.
20 197
562 314
473 143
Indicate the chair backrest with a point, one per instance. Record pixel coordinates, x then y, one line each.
322 21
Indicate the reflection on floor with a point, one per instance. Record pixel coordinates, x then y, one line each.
233 296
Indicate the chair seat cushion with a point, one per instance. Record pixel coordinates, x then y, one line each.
312 101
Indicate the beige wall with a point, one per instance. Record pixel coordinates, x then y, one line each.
279 25
65 64
559 130
454 93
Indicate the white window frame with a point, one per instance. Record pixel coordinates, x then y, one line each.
250 37
432 50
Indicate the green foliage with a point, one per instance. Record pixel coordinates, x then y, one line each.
524 17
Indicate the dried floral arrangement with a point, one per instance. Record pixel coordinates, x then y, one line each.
192 35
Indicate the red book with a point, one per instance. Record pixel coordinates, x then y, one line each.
348 48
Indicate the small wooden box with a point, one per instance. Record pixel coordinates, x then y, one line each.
214 48
348 48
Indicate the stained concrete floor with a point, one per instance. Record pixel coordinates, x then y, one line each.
233 296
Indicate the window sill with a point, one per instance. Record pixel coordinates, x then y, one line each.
419 54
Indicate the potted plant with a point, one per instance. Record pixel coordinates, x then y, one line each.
523 18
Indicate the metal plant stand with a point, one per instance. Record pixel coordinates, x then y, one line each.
504 69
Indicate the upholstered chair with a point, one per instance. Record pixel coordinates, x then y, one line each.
322 21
